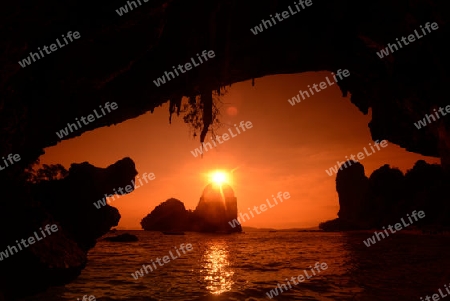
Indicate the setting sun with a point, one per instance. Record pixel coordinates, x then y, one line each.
219 177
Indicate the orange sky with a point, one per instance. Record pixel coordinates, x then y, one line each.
288 149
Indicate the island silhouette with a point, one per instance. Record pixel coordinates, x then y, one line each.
216 207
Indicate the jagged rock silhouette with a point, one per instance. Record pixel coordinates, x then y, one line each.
217 206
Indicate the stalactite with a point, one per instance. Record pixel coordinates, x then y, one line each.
207 101
171 110
175 103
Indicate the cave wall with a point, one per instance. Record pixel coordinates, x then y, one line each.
117 58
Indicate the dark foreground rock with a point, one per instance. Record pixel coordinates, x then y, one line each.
59 258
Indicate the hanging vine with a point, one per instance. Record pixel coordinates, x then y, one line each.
202 112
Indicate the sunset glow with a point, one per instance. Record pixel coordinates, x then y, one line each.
250 163
219 177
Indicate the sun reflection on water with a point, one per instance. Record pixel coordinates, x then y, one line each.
218 274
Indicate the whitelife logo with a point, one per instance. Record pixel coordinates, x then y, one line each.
323 85
411 38
27 61
10 158
124 9
284 15
262 207
360 155
188 66
31 240
319 268
371 240
140 273
423 122
90 118
225 137
436 296
129 188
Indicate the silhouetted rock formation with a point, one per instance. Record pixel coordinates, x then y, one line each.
388 195
352 186
427 187
68 202
170 215
126 237
217 206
